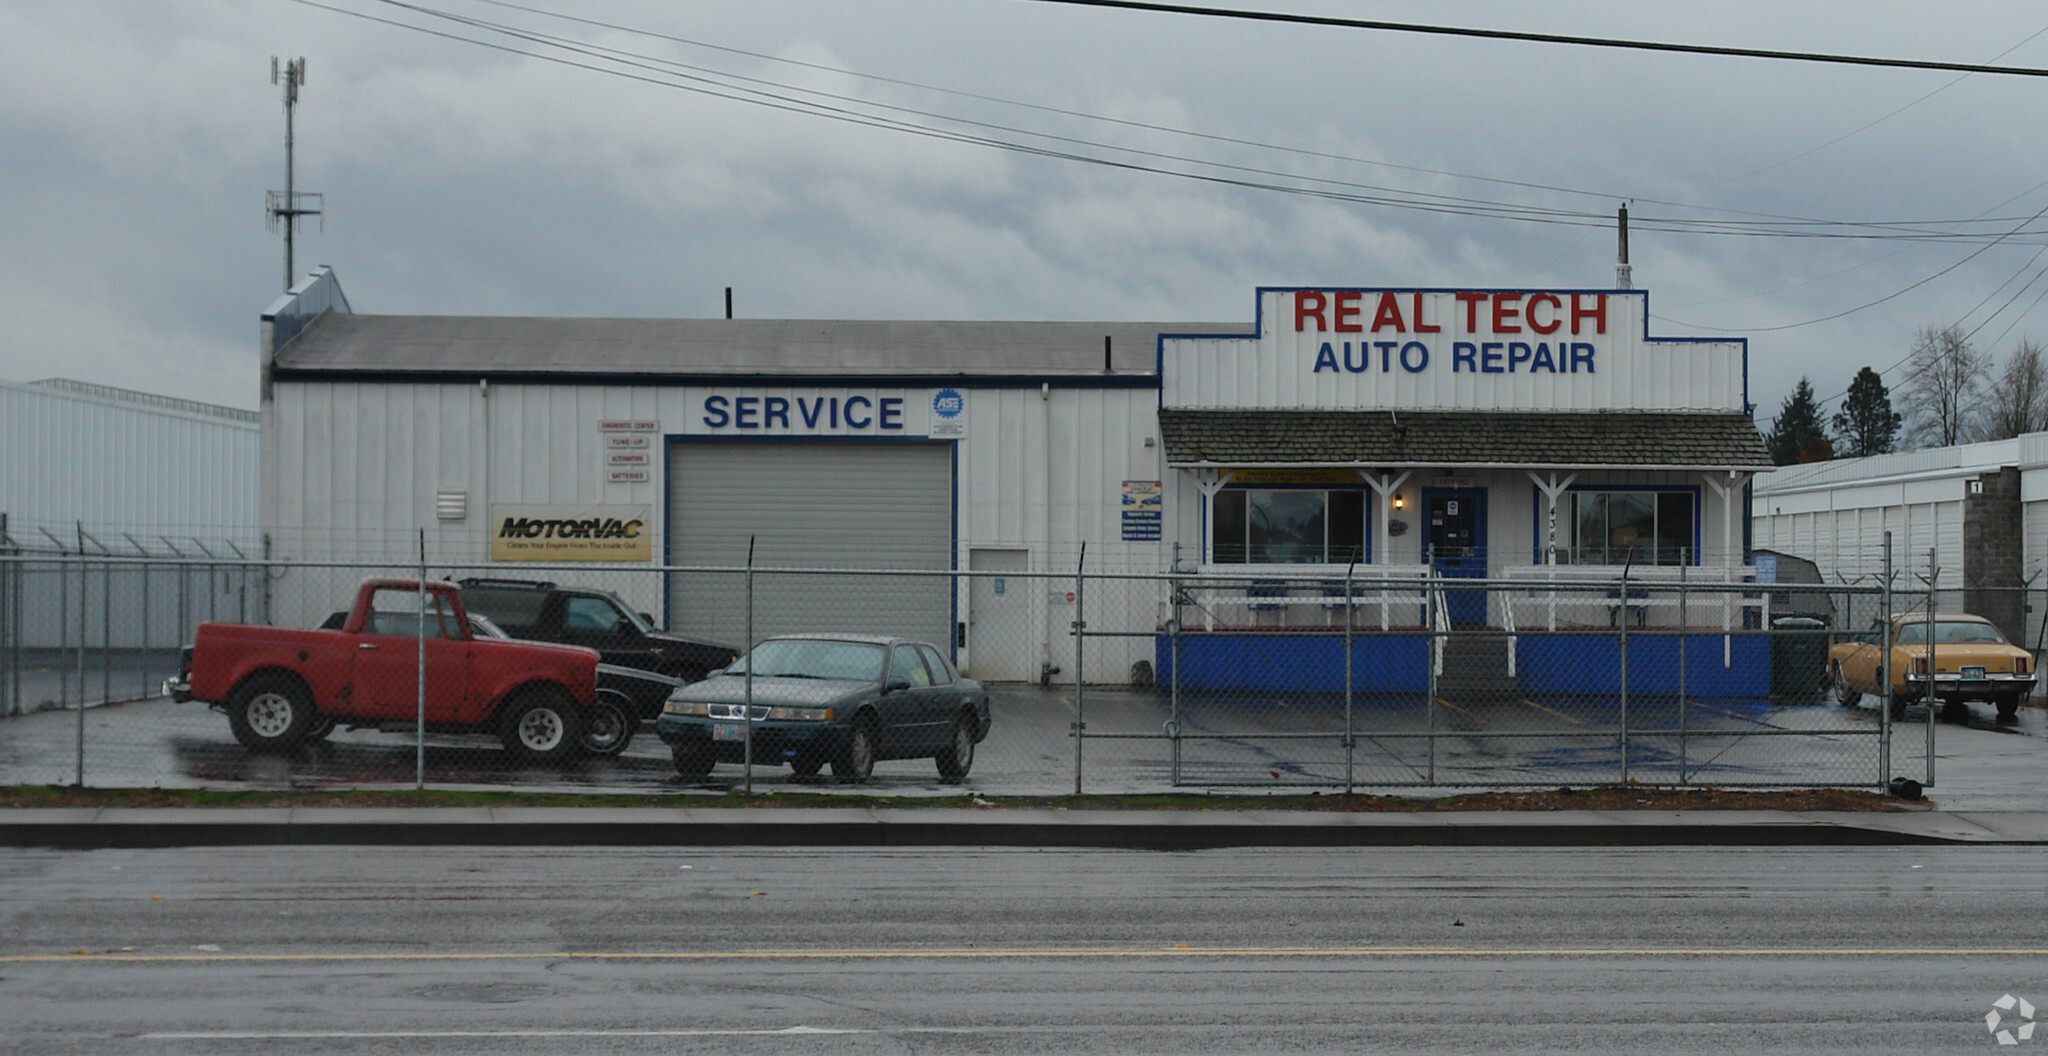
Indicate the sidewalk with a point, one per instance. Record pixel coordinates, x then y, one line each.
83 828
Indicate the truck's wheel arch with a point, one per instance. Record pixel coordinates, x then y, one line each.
269 673
531 685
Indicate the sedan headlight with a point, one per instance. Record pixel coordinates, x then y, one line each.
685 707
800 714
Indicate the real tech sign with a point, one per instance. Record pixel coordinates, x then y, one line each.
1554 333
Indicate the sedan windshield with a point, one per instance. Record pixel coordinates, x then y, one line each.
1946 633
812 658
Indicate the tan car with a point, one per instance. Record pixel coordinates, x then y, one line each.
1972 661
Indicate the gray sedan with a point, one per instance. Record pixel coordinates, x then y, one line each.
843 699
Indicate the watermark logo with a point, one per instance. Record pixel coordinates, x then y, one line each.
2011 1020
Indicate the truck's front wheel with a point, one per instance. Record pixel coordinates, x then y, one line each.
271 713
540 725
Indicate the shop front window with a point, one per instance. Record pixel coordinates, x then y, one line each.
1632 527
1288 526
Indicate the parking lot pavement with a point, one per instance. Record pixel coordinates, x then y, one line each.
1243 742
52 679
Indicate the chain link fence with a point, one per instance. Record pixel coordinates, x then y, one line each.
1021 682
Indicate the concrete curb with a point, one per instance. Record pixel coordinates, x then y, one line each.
93 828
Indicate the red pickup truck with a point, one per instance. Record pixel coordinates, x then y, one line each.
283 687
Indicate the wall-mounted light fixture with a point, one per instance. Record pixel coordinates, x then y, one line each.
1399 502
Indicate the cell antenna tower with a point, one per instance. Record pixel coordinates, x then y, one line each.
286 206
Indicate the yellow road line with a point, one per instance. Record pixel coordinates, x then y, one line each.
1553 711
1462 711
1045 953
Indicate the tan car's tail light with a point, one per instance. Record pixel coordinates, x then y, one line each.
2022 665
1920 667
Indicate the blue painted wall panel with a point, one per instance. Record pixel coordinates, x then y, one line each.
1295 663
1570 664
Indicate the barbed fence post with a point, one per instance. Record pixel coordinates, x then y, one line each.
1350 749
1684 631
1080 626
747 689
1624 610
1933 574
1884 697
419 733
83 588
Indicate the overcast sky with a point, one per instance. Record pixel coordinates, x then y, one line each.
139 140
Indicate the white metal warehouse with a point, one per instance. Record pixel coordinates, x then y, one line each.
1515 431
1977 512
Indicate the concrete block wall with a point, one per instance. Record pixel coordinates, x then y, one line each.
1994 550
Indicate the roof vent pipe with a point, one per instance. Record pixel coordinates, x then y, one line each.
1623 273
728 302
1106 368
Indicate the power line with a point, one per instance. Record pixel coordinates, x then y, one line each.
1974 254
1551 38
791 98
1875 121
1209 136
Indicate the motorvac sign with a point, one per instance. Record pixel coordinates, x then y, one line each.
571 533
1452 349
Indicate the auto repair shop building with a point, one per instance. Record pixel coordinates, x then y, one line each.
1498 433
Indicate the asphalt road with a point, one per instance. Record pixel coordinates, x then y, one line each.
360 951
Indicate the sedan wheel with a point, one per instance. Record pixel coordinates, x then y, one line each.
856 762
956 758
1846 695
693 763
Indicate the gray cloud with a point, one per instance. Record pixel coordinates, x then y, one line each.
465 181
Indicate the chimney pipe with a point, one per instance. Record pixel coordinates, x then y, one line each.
1624 274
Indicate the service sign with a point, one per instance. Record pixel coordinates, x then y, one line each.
1453 349
572 533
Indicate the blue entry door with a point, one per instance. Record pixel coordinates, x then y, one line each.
1457 547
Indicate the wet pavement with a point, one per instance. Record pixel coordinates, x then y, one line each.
1261 742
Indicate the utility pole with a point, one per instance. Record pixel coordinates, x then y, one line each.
286 206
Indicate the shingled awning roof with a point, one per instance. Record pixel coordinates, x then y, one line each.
1694 440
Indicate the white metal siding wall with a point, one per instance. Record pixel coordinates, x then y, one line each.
1841 529
356 466
146 470
2036 565
812 504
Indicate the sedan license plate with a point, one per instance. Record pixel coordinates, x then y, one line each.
728 732
1973 672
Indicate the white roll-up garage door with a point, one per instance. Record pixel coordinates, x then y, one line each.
855 505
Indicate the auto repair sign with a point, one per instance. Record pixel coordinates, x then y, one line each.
572 533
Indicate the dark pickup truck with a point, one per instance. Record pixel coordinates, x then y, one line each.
282 687
641 663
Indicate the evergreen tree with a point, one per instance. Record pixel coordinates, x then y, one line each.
1798 425
1867 425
